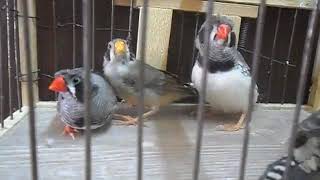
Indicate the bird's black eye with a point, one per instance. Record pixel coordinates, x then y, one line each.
109 46
76 80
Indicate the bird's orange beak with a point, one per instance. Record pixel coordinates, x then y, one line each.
223 31
120 47
58 85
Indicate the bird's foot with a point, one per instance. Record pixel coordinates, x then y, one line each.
126 120
233 127
230 127
70 131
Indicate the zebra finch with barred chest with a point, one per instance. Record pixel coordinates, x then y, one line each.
228 75
69 84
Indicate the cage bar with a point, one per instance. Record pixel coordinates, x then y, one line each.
1 82
93 59
142 46
87 54
74 22
255 66
285 76
202 92
274 44
9 57
54 34
30 94
129 37
112 20
17 52
302 83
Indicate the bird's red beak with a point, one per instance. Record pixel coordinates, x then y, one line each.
58 85
223 31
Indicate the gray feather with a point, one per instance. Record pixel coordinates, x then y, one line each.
103 101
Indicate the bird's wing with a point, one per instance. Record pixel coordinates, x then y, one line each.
159 81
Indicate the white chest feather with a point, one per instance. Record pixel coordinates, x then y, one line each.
226 91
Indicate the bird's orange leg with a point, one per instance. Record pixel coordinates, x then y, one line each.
70 131
129 120
235 127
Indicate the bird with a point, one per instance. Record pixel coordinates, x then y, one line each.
306 154
228 75
160 87
69 84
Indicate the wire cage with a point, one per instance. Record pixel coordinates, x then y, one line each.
70 34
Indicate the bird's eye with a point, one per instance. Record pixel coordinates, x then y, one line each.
76 80
109 46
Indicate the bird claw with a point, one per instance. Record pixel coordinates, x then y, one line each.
229 127
127 120
70 131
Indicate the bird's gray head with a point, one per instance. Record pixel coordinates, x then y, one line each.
74 84
221 33
68 80
118 51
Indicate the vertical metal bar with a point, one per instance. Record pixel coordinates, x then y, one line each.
112 20
255 67
180 43
129 38
302 82
87 54
285 76
54 36
17 52
142 46
9 57
202 97
1 76
74 40
93 36
274 44
194 44
32 128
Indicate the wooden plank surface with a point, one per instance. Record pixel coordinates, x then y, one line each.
314 97
32 25
157 37
303 4
199 6
169 142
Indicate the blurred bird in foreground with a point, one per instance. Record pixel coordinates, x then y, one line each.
228 75
69 83
306 158
160 87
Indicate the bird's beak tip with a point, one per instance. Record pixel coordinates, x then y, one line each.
58 85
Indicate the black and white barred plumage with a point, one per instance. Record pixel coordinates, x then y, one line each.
228 75
70 104
306 163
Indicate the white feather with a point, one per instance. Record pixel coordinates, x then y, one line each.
226 91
